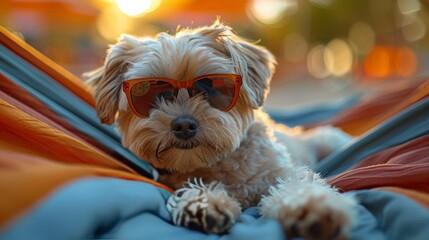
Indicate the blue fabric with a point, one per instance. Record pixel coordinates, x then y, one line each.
107 208
396 217
311 114
118 209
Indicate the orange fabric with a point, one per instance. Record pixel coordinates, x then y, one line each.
24 101
36 158
20 129
25 185
33 107
68 80
375 109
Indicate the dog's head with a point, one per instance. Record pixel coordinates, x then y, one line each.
182 130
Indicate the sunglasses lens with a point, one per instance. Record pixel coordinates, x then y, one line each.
144 94
219 90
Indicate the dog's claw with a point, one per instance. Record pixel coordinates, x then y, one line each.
207 210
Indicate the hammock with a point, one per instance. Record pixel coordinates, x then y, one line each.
63 175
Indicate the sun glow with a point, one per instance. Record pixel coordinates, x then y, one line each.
271 11
135 8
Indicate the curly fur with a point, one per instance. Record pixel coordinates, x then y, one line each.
245 153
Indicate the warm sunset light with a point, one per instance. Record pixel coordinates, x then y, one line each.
271 11
111 23
135 8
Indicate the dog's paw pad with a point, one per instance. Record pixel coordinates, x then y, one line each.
321 219
210 219
323 229
203 210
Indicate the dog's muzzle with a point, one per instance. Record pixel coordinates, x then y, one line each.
184 127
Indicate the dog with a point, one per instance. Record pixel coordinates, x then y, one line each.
190 105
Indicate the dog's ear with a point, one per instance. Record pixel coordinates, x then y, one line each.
106 81
255 63
257 66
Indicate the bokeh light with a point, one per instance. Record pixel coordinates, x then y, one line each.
338 57
362 36
314 41
387 61
316 63
377 63
405 62
408 6
136 8
413 28
271 11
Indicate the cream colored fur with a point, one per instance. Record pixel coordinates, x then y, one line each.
250 159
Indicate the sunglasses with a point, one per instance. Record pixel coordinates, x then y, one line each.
220 90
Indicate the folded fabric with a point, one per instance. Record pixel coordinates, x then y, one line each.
106 208
403 168
378 106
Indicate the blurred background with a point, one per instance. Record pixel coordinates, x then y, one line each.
326 49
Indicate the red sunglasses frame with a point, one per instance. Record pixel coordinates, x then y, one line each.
127 85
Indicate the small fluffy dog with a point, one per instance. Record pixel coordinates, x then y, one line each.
190 104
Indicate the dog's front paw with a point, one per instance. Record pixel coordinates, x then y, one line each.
204 208
318 218
310 212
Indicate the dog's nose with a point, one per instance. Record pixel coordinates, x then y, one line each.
184 127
